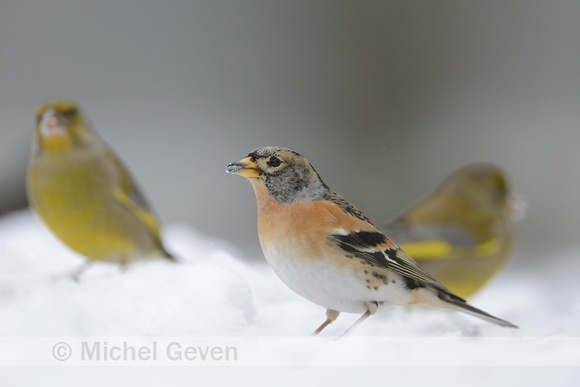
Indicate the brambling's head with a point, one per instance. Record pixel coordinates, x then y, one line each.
288 176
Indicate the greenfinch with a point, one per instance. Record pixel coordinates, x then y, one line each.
463 233
84 193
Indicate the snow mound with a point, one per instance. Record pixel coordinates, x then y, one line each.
210 292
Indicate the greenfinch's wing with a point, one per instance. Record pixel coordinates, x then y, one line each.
438 242
403 231
128 194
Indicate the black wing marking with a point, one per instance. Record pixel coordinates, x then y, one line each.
374 248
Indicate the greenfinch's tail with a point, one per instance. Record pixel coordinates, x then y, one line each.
169 257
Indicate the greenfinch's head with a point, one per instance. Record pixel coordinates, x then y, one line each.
485 185
60 125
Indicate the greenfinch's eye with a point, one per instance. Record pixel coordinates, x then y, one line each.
274 162
70 113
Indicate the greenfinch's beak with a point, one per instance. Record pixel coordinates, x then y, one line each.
52 124
246 168
517 206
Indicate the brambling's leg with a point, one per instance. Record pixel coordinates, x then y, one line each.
331 315
372 307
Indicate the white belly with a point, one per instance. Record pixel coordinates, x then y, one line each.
332 286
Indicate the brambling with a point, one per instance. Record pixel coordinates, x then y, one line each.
463 233
326 250
84 193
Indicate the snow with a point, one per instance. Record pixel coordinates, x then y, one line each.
215 298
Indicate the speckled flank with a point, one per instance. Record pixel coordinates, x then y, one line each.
375 280
381 277
412 284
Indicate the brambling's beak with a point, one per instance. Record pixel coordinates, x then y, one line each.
246 168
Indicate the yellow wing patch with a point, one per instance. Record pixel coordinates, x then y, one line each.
441 249
143 214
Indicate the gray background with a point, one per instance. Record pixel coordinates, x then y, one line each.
385 98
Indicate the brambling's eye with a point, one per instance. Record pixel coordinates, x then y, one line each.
274 162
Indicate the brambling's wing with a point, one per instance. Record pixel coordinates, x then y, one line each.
346 206
378 250
362 240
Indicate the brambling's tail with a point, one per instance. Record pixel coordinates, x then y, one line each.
457 303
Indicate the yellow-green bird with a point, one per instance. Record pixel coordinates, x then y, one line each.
463 233
84 193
